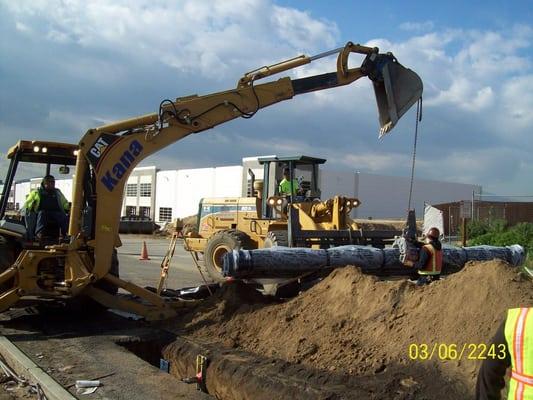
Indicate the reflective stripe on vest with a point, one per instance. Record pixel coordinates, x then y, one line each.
434 263
519 337
525 379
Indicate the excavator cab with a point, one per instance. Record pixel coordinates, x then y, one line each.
38 158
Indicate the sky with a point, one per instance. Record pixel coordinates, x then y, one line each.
67 66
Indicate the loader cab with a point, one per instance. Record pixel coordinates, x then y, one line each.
302 170
28 158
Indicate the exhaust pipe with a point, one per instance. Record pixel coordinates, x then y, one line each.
397 88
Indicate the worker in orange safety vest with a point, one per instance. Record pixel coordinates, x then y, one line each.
429 264
513 345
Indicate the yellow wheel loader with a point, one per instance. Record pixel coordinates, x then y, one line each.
271 217
107 155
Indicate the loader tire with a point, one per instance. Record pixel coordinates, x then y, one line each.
217 246
276 238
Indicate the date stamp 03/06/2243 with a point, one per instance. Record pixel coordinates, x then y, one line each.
454 351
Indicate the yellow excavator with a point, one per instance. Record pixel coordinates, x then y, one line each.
86 263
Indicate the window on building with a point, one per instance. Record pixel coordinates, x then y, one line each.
131 210
144 212
146 189
131 190
165 214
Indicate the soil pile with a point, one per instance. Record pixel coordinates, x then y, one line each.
384 224
358 325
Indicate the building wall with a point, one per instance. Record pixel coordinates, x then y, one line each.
227 181
22 189
387 196
11 205
166 190
138 200
338 183
65 185
181 190
195 184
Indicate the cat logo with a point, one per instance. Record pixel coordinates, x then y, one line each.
97 150
99 147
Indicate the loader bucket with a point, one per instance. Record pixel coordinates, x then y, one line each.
397 88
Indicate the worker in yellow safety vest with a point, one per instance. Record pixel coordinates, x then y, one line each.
285 188
513 345
49 204
429 264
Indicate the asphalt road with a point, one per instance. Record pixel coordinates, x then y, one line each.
70 346
182 272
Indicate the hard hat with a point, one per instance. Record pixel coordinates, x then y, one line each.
433 233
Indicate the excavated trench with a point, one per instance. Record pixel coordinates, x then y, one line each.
236 374
148 347
347 337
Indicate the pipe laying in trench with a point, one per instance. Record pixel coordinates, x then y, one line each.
285 262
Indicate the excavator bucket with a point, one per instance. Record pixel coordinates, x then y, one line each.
397 88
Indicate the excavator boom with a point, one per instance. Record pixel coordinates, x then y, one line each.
108 154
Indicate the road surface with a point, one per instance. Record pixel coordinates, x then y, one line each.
182 272
70 346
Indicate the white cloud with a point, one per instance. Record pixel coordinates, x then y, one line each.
417 26
22 27
464 94
209 36
517 104
299 29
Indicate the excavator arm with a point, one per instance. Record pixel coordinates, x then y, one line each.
108 154
112 151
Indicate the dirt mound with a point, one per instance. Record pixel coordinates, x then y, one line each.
358 325
233 297
384 224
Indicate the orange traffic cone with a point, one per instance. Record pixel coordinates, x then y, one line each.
144 252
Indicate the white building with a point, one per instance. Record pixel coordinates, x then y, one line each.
139 193
166 195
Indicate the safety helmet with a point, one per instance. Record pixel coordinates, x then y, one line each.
433 233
